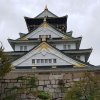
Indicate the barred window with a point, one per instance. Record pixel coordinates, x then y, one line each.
33 61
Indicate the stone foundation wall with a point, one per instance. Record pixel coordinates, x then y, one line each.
50 86
47 83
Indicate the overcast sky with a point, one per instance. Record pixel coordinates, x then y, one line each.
83 20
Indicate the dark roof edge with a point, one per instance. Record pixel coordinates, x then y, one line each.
42 17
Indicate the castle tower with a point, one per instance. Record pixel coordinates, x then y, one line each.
48 46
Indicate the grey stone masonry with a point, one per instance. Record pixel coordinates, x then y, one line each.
50 86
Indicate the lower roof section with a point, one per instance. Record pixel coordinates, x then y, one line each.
61 70
74 52
80 51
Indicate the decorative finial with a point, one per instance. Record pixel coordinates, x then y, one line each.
46 8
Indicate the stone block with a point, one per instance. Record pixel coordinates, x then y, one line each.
56 81
54 86
16 84
53 82
10 85
51 90
57 90
41 82
14 81
7 81
47 82
49 86
76 79
55 95
46 89
67 85
40 88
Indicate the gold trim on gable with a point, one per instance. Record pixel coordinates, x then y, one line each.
45 25
79 65
44 46
23 38
66 37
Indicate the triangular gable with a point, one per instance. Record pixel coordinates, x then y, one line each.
46 13
45 51
45 29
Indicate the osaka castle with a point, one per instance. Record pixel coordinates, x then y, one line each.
49 47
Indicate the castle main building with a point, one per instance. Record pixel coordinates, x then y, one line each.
49 47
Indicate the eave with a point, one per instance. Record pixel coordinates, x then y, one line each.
78 51
15 53
85 52
36 40
58 40
75 40
48 18
60 70
38 21
13 42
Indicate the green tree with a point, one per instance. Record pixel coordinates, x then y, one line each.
5 65
88 88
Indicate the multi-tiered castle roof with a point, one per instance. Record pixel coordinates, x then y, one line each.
49 46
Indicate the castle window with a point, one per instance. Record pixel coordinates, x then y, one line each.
25 48
21 48
42 60
49 36
38 60
54 61
33 61
40 36
50 60
69 46
46 60
64 46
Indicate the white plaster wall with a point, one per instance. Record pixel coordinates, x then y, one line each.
29 46
60 46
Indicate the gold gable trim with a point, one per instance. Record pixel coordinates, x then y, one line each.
23 38
45 25
79 65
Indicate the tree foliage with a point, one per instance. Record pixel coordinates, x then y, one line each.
5 65
88 88
43 95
